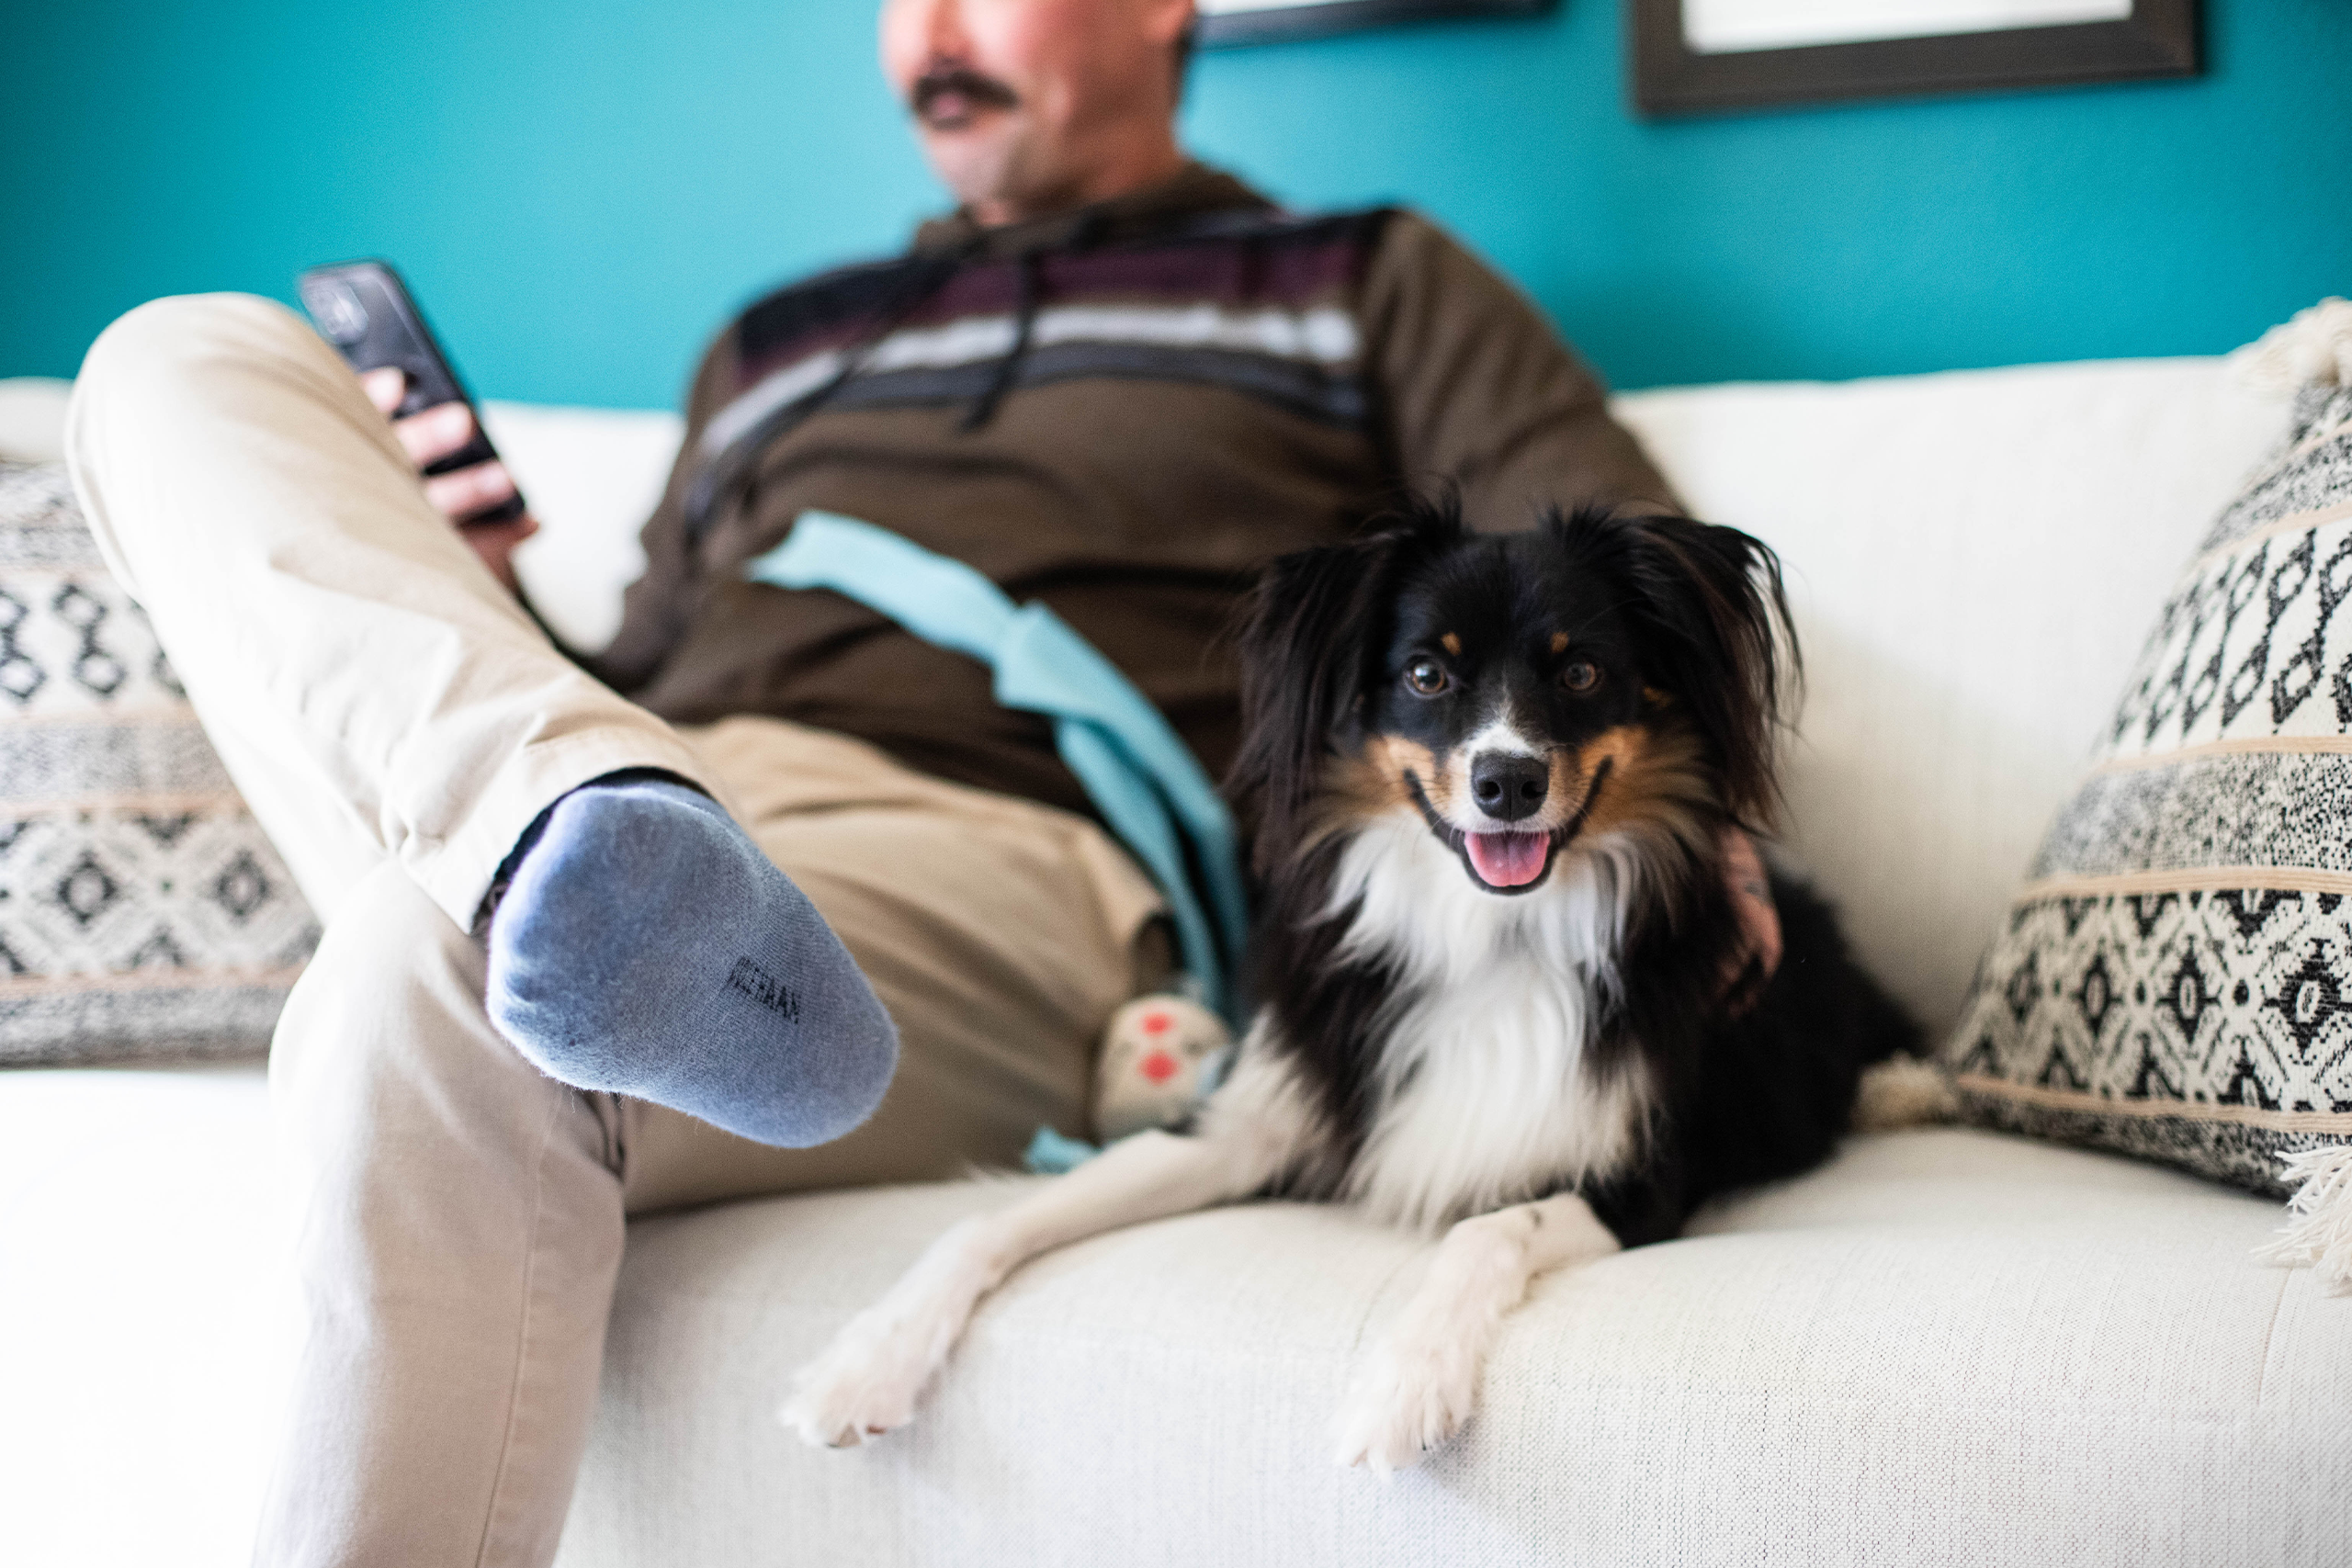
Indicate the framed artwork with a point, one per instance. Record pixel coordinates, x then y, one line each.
1224 23
1718 54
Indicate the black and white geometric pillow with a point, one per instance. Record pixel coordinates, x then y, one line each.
142 914
2174 978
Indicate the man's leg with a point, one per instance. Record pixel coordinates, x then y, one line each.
463 1216
460 1226
376 695
373 691
396 723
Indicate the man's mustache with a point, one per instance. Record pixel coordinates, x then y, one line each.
958 81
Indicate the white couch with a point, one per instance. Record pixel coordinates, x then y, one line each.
1947 1347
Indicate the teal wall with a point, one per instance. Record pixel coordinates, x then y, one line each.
579 193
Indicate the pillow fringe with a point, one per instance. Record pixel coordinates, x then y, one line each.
2316 346
2319 1234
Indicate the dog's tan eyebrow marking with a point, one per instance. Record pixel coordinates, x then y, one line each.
1452 644
1559 642
1657 698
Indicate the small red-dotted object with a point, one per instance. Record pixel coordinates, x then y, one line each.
1158 1023
1159 1066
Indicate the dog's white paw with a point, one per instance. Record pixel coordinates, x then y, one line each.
1901 1092
865 1383
1414 1394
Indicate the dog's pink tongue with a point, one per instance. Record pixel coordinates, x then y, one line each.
1507 859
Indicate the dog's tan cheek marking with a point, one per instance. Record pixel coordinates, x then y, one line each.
1657 698
1355 790
1625 749
1393 760
1656 778
1363 784
1435 773
1452 643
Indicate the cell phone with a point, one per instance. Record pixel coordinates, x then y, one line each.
367 312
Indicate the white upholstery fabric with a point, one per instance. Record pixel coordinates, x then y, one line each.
147 1321
32 418
1973 559
1948 1346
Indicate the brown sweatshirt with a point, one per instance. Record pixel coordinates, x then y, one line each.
1125 411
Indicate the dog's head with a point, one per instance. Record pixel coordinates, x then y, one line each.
1516 691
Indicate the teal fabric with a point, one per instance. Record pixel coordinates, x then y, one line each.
1051 1154
1149 788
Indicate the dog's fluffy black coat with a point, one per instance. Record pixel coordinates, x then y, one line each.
1636 657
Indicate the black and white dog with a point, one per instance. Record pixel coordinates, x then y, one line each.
1490 779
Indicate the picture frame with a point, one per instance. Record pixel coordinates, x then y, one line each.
1669 76
1227 24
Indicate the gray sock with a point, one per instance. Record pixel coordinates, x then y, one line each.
645 946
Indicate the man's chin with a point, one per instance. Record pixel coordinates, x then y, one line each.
975 161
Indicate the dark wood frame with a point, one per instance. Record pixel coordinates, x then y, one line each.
1315 21
2160 38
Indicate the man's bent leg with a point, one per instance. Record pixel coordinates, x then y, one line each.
463 1211
377 694
372 688
461 1231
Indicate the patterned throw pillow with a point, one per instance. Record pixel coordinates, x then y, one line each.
2174 978
142 914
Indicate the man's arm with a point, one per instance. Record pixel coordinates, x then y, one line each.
1477 388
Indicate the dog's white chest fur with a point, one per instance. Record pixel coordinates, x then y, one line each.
1485 1093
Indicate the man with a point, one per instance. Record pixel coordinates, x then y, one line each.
559 984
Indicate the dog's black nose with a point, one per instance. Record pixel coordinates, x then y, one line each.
1507 786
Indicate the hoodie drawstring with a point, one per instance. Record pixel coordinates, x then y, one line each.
1024 326
1029 288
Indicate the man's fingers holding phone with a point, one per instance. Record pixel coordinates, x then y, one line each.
432 433
428 436
469 490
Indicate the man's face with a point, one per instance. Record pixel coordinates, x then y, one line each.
1025 105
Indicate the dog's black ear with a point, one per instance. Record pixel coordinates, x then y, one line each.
1714 625
1310 635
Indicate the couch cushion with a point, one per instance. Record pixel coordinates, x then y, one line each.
143 914
2174 977
147 1315
1943 1336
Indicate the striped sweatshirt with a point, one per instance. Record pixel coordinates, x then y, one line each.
1124 410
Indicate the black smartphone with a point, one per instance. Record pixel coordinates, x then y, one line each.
364 309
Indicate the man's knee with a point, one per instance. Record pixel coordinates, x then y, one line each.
178 346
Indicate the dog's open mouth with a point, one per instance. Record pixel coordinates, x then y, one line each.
1503 862
1507 859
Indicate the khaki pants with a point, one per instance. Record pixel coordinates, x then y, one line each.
396 722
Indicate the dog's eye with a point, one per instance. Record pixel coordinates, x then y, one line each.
1582 676
1426 676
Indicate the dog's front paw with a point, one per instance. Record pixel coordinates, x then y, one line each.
1410 1396
864 1384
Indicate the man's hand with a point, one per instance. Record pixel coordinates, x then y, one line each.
1751 965
431 435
